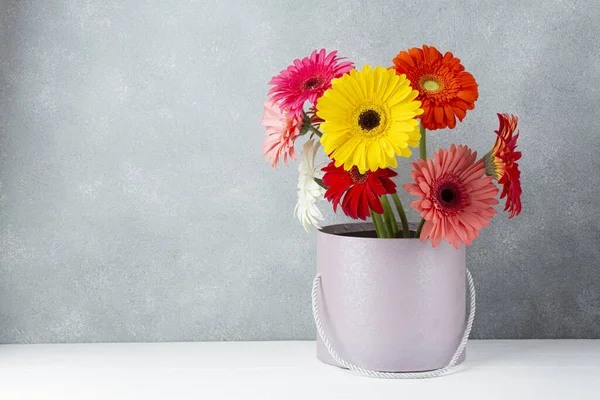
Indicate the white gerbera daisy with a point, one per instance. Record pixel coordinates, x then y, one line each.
309 191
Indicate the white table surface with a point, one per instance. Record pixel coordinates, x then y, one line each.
495 369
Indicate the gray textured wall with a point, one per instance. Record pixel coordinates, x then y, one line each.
135 204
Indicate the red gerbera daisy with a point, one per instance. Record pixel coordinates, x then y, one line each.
307 79
446 90
501 163
455 196
361 192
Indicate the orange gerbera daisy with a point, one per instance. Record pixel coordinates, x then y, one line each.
501 163
446 90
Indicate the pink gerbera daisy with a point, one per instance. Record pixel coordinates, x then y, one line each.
456 198
307 79
282 130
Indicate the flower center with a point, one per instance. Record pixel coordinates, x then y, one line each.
450 195
312 82
369 120
431 86
357 177
434 85
447 195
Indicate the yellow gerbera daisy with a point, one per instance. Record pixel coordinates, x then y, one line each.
369 119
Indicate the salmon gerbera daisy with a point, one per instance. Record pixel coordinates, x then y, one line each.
360 192
307 79
282 131
369 118
446 90
456 199
501 163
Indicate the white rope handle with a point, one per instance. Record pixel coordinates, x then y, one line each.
395 375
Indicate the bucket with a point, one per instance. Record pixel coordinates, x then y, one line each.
390 305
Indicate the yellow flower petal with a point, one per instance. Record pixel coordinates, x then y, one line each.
370 118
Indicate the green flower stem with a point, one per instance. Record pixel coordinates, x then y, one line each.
308 126
423 143
418 234
320 183
390 219
423 153
379 226
315 130
402 214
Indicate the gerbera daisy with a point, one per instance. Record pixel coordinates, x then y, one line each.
445 88
360 192
282 130
369 119
307 79
501 163
309 191
456 197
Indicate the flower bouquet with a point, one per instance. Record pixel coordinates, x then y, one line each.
371 289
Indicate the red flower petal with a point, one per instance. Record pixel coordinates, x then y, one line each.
358 193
